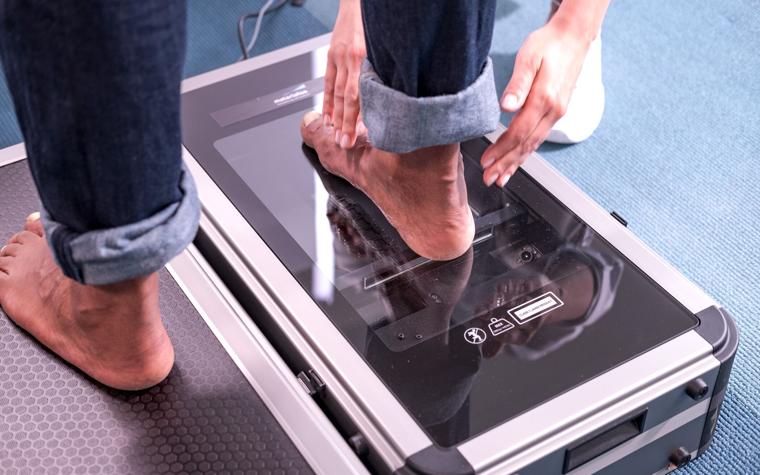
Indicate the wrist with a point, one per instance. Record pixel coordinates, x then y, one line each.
573 27
580 19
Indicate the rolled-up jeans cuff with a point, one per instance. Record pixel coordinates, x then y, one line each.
399 123
108 256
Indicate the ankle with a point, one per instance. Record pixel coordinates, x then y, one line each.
132 299
440 161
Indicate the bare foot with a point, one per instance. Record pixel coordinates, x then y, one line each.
113 332
422 194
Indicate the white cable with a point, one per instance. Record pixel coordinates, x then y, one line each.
257 28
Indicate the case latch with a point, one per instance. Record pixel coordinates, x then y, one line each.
311 382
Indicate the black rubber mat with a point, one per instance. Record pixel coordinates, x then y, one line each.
204 418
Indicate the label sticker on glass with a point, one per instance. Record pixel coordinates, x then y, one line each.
536 307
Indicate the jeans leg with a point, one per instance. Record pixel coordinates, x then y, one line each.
429 59
96 89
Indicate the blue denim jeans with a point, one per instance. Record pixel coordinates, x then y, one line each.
96 86
428 79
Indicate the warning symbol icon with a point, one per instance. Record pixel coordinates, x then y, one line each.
499 326
475 335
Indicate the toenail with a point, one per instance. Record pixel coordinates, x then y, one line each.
504 180
309 117
34 216
492 179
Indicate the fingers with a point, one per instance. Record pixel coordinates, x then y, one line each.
527 65
500 160
544 105
329 96
350 109
338 102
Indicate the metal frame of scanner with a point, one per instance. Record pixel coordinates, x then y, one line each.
533 442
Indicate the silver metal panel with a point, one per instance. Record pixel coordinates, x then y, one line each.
309 429
350 381
11 154
256 62
558 422
647 437
366 398
670 279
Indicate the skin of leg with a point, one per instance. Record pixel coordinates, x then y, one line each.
100 117
422 194
113 332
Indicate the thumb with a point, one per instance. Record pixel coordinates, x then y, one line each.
526 67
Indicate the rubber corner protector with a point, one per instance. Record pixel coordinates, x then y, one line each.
718 328
435 460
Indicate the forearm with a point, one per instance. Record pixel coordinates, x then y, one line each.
349 4
581 17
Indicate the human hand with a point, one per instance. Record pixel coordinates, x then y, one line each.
347 51
544 76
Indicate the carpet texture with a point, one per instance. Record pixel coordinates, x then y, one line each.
676 153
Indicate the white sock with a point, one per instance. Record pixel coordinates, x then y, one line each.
584 112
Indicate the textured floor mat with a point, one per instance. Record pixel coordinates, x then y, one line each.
204 418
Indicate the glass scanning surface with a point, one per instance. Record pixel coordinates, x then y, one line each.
539 305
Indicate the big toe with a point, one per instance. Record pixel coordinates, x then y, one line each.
310 127
34 224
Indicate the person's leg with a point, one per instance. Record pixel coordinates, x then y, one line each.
427 85
96 89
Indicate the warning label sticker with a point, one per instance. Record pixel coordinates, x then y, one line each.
536 307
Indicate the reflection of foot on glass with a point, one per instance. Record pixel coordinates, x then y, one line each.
422 92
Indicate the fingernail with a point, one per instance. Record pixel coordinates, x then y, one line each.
504 180
337 137
326 120
488 162
509 102
492 179
345 141
34 216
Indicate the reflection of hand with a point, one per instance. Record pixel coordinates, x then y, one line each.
578 285
506 292
544 76
347 50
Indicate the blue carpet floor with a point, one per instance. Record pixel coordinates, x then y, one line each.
676 153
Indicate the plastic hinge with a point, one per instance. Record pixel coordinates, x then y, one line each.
619 218
311 382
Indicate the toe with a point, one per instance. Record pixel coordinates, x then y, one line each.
24 237
311 124
5 264
10 250
34 224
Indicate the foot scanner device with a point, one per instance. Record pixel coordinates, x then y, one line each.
311 339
